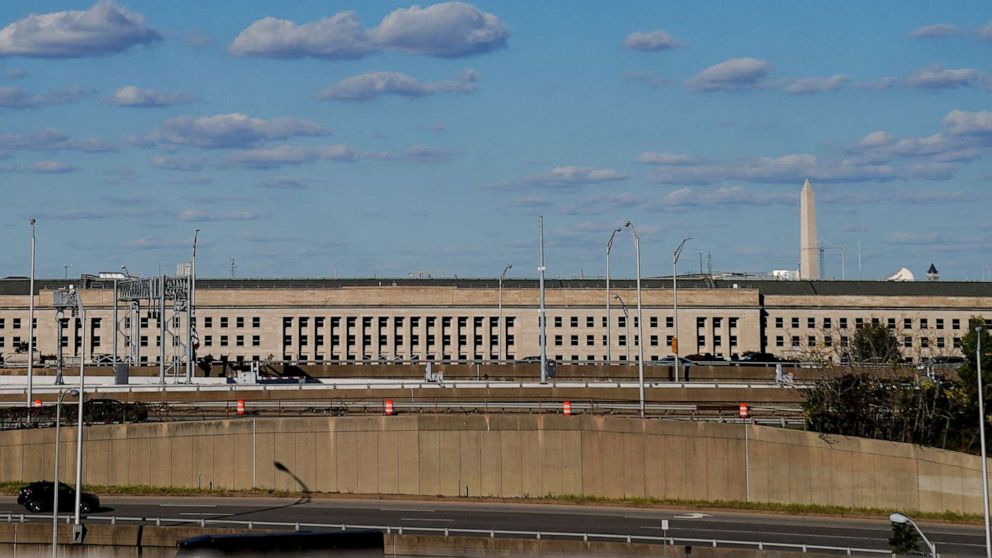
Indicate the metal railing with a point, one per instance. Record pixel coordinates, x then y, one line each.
454 531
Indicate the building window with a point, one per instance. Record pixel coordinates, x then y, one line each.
223 340
590 340
319 340
907 323
509 341
940 342
557 321
779 322
574 321
924 324
717 340
827 323
143 341
256 321
700 322
955 324
256 341
859 323
733 340
828 341
717 322
590 321
940 323
795 341
143 323
96 340
207 322
208 340
907 341
795 322
653 321
811 341
574 341
891 323
669 321
239 341
239 321
287 340
843 323
653 340
621 321
811 323
844 341
957 342
622 340
924 342
732 322
223 321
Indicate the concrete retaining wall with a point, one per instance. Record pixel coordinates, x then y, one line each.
511 456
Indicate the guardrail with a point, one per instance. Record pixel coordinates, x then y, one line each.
453 531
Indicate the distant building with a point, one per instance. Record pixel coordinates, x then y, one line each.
932 273
325 320
809 246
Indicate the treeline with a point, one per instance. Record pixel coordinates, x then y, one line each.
939 411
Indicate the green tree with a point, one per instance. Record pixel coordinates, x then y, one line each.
968 420
904 539
875 343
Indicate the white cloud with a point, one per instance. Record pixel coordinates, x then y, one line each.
427 154
786 169
806 86
985 32
449 29
660 158
136 97
51 167
49 139
960 122
198 215
938 77
229 130
574 176
103 29
15 97
147 243
936 30
274 157
339 37
651 41
736 196
731 75
372 85
187 164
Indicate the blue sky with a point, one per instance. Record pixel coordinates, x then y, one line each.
386 138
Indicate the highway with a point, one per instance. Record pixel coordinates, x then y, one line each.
961 540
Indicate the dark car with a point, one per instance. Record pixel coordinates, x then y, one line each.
752 356
37 497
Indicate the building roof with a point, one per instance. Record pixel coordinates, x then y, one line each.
19 286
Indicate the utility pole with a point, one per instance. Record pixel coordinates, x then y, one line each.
31 323
609 325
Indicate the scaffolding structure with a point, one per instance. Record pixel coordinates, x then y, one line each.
168 301
66 298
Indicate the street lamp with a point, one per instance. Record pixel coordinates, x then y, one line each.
626 321
30 393
640 317
127 275
609 325
675 303
981 430
902 520
499 321
66 268
55 497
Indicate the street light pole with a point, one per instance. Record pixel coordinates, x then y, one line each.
609 325
542 318
30 389
55 497
675 303
79 426
981 430
499 321
640 317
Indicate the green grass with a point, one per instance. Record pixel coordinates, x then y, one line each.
10 488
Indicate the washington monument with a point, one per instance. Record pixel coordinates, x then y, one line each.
809 263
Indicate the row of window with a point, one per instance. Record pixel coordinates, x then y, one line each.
842 323
304 340
398 322
828 341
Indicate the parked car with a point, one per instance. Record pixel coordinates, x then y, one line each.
752 356
670 361
37 497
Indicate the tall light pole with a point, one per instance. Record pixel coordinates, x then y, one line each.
79 427
66 268
675 303
30 393
626 321
640 318
499 320
55 497
542 318
981 430
609 325
191 318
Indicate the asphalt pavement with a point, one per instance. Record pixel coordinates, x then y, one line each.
961 540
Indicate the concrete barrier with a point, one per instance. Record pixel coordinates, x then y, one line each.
511 456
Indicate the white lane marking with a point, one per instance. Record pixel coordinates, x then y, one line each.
187 505
406 510
205 513
424 519
693 516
